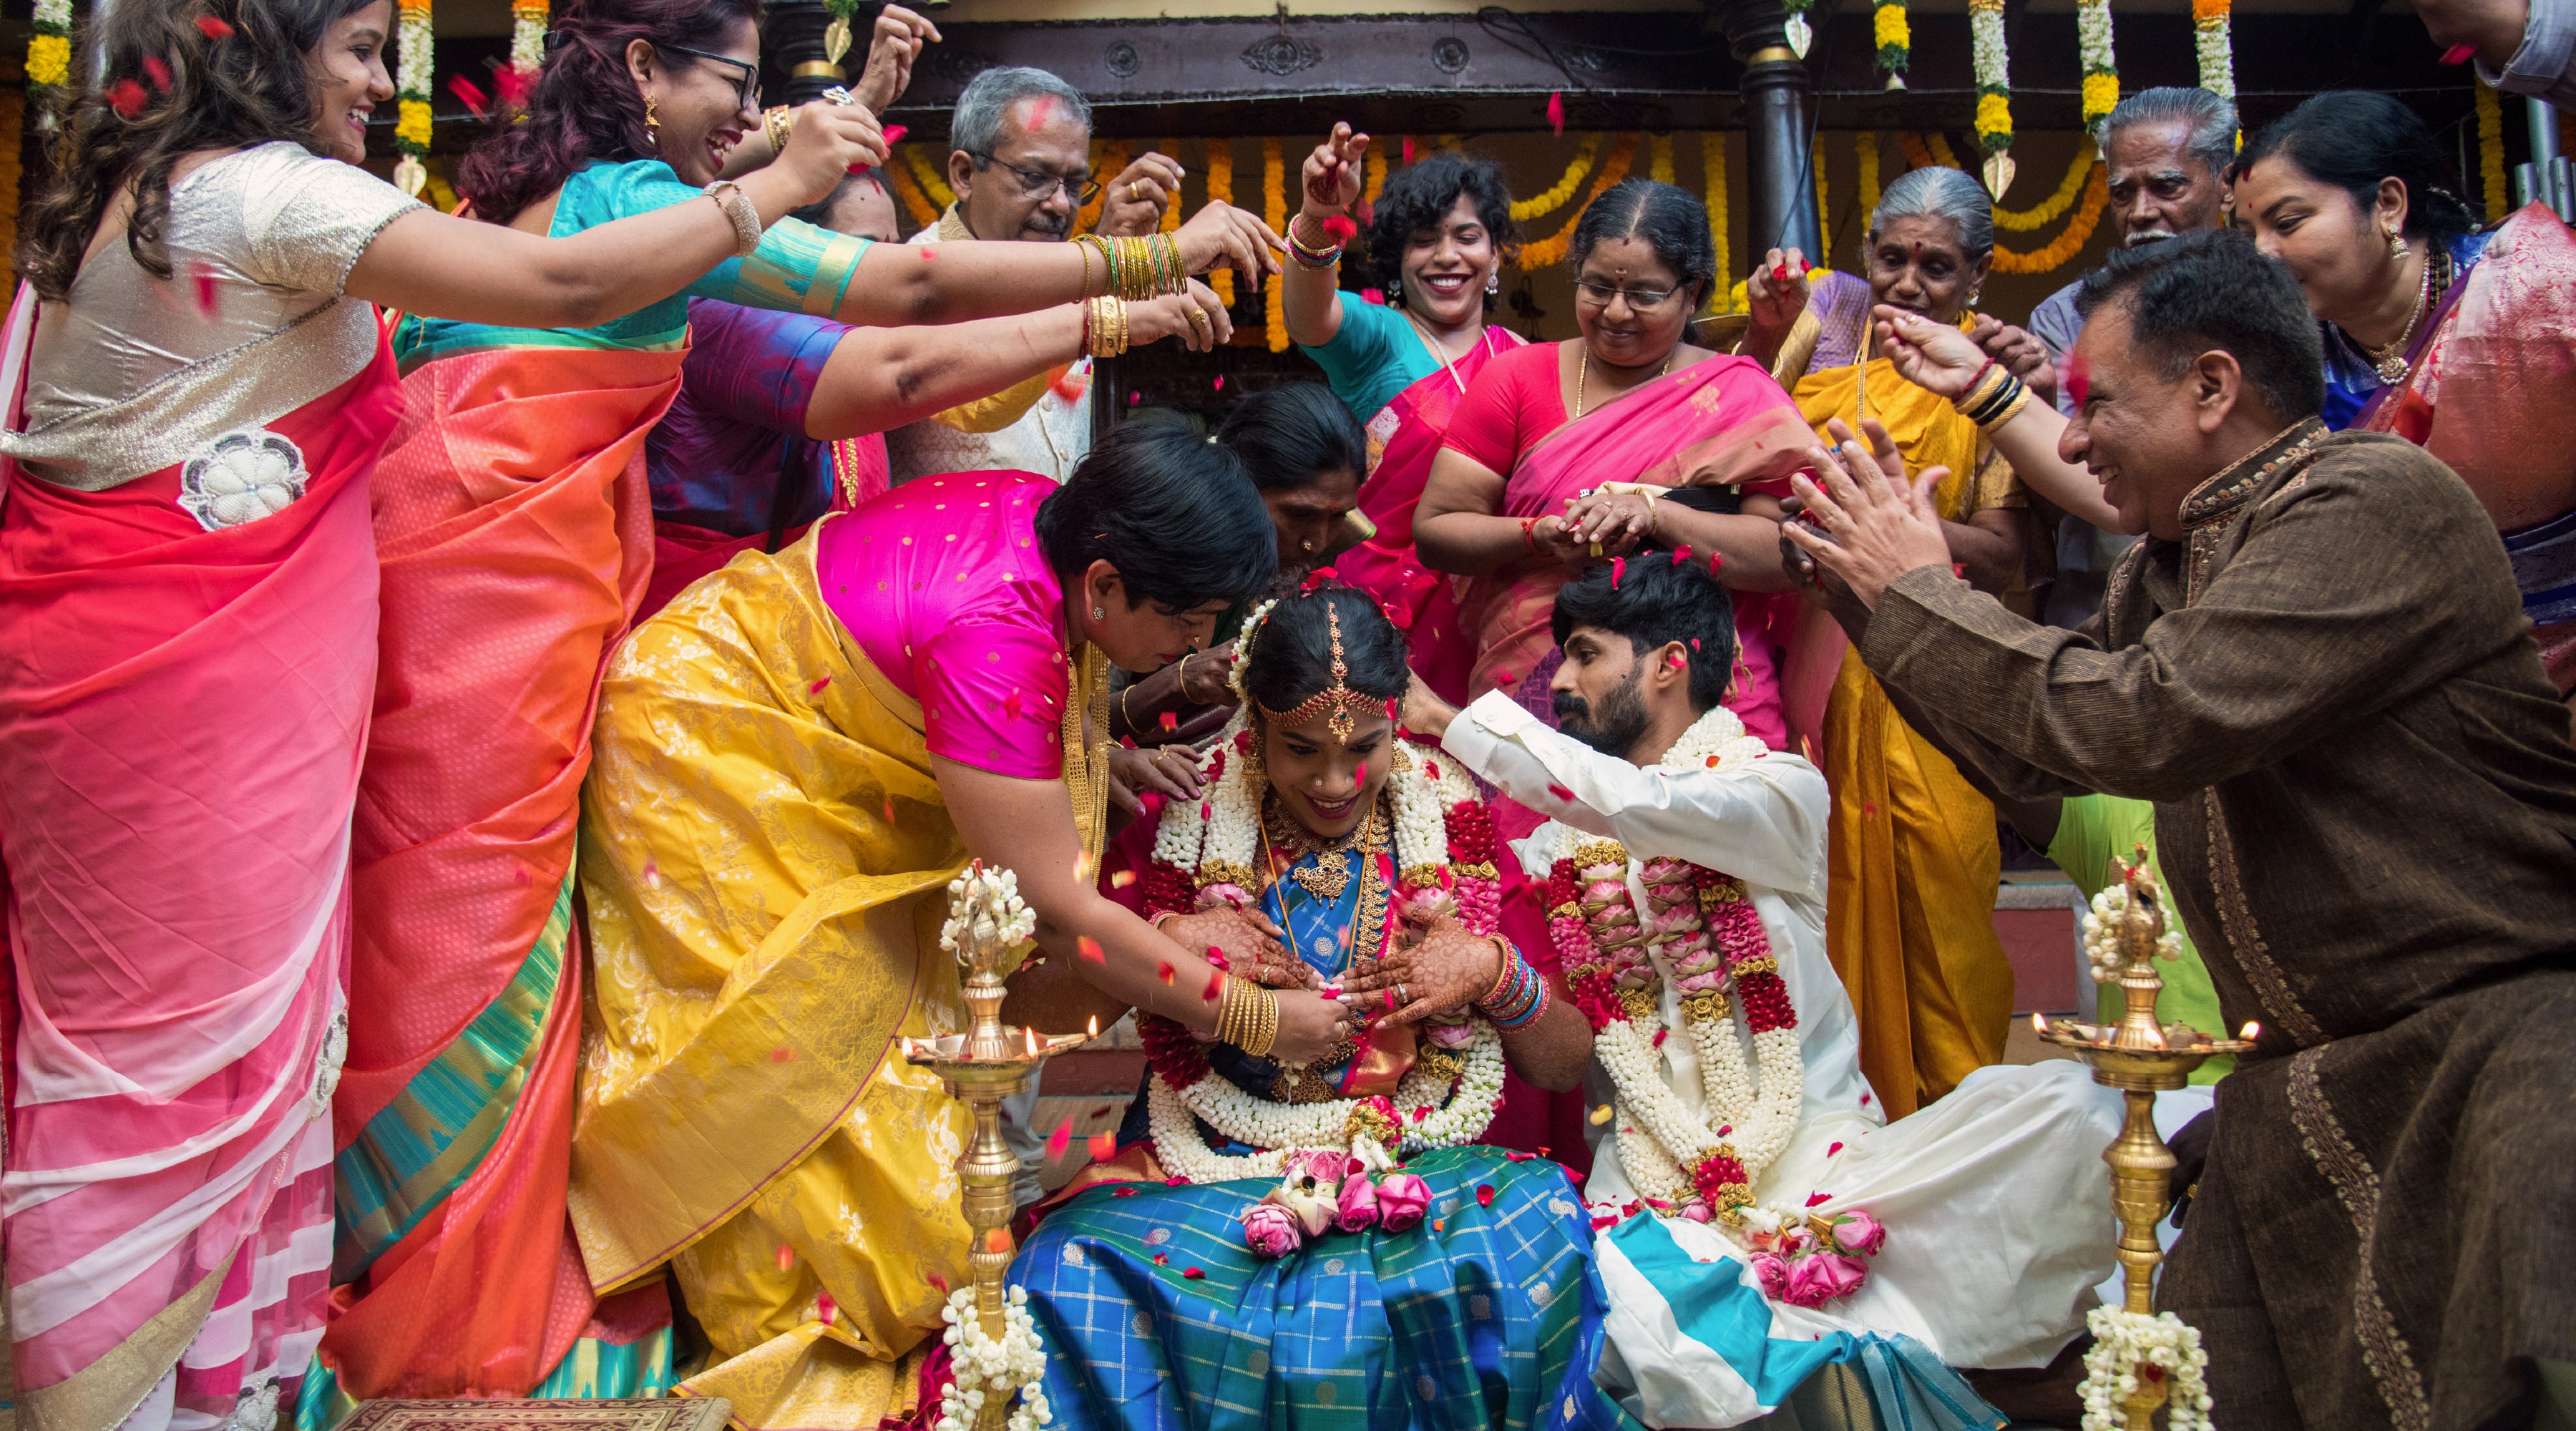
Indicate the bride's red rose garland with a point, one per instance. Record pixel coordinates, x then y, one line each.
1205 855
1705 926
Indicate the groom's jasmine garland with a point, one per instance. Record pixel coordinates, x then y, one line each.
1704 924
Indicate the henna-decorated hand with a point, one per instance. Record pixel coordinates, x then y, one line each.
1446 970
1249 941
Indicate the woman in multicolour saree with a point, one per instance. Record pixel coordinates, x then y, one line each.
1255 1252
199 392
1566 454
794 759
1437 236
1914 853
514 525
2450 336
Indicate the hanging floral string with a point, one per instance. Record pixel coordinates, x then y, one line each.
922 160
1865 150
2491 150
1274 210
1712 159
1894 38
49 53
2071 240
2217 50
908 190
1550 251
1941 154
1823 257
1172 205
411 98
1108 160
1659 158
1992 61
2101 69
1539 206
1372 178
1220 185
2047 210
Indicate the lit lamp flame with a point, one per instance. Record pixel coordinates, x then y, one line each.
2250 1032
2038 1023
1030 1037
1094 1030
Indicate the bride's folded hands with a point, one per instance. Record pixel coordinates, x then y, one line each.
1444 972
1249 941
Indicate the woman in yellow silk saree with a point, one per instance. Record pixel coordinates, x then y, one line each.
791 762
1913 858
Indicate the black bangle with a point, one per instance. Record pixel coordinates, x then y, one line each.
2003 396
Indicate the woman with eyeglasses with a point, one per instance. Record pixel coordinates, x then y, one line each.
1910 916
1625 440
514 526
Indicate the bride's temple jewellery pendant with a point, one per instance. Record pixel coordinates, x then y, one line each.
1327 877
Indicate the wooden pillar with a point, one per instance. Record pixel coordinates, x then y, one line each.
1779 108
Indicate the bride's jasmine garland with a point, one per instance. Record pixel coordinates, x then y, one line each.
1207 854
1704 924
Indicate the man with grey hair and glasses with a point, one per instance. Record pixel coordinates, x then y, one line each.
1020 161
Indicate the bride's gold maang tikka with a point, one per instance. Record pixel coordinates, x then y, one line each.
1345 703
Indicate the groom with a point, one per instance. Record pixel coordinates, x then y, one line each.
2004 1175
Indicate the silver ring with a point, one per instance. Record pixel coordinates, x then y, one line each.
838 94
1402 997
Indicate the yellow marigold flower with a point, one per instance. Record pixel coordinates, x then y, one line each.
2101 95
412 125
1891 28
49 59
1994 114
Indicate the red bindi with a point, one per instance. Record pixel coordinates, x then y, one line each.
2079 377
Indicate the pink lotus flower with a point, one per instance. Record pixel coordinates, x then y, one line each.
1860 1232
1773 1273
1402 1200
1270 1230
1358 1211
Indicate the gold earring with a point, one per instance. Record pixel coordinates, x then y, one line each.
2396 242
1975 294
652 125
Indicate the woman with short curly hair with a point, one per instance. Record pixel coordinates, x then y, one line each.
1437 238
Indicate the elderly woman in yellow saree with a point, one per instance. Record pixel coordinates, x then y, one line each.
793 760
1913 855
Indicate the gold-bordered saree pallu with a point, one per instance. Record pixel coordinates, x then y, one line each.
765 859
515 531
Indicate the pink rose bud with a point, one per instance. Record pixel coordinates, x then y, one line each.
1270 1231
1773 1273
1811 1282
1402 1199
1358 1211
1860 1232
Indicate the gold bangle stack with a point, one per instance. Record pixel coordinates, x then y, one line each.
1247 1016
1139 268
776 123
1105 327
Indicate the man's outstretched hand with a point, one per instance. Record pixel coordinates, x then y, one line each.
1877 525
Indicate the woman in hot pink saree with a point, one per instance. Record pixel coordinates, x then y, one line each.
198 392
1626 444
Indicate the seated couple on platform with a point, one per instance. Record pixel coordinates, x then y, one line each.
1313 1241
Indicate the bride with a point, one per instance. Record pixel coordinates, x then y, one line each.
1323 1242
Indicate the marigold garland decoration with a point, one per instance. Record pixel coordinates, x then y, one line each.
1824 211
1991 60
528 36
1865 150
1892 35
2101 70
1220 186
1541 205
907 189
1941 151
2048 209
2217 50
2069 242
1712 158
1550 251
1372 176
1274 209
1172 204
1659 158
411 98
13 128
1108 160
49 51
2491 150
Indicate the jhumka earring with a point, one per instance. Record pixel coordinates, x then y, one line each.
1494 279
652 125
2396 242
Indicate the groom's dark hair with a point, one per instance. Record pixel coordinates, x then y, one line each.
1652 599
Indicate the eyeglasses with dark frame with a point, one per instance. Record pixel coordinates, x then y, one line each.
1040 185
1639 299
746 87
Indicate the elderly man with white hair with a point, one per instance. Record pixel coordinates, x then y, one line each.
1020 161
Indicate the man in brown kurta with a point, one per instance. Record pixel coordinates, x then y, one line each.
2317 667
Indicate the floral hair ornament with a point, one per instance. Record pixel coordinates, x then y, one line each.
1345 704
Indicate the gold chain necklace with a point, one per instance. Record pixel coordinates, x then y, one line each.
1331 873
2391 362
1583 374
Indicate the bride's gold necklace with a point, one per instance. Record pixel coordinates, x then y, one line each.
1330 874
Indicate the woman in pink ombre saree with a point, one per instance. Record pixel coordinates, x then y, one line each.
1626 444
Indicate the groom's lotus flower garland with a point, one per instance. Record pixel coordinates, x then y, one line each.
1705 926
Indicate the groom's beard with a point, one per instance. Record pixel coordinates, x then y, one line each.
1616 728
